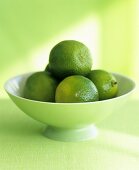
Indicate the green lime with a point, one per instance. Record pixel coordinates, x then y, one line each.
70 57
40 86
76 89
105 82
47 69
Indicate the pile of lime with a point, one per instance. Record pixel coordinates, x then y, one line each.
68 77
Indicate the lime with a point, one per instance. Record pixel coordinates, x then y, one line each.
40 86
105 82
47 69
70 57
76 89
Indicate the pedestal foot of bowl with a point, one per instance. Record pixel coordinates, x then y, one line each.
71 135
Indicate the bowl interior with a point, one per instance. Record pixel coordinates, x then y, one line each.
16 84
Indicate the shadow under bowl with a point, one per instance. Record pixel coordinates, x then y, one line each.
69 121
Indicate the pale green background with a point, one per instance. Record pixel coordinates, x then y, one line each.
28 30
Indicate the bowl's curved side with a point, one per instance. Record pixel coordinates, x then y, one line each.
69 115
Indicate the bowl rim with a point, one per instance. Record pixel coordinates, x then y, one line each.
53 103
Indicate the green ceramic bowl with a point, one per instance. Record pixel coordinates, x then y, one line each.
69 121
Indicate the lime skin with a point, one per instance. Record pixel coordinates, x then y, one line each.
105 82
